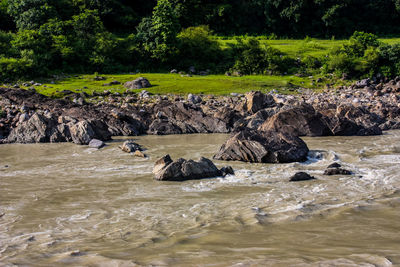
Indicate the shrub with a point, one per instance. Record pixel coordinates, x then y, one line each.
251 58
13 68
359 42
5 43
389 60
198 48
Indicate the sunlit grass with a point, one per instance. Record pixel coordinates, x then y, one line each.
165 83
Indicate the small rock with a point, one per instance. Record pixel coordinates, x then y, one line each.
195 99
174 71
337 171
95 143
334 165
228 170
31 239
301 176
130 147
139 154
76 253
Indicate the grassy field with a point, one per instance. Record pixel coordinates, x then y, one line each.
165 83
300 48
176 84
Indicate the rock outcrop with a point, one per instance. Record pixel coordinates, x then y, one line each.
302 120
167 170
256 101
263 147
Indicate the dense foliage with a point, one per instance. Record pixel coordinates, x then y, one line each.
40 37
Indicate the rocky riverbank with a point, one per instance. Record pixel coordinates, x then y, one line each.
366 108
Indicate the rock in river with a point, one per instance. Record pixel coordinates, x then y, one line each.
263 147
301 176
167 170
130 147
96 143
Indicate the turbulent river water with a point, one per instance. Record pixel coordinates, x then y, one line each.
69 205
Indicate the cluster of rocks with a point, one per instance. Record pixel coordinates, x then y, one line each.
265 128
266 123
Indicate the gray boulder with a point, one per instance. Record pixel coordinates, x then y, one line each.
96 143
167 170
139 83
258 147
195 99
83 132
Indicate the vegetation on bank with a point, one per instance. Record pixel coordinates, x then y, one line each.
40 38
164 84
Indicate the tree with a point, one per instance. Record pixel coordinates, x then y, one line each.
30 14
158 34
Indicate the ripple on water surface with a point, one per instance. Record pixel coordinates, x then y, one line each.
71 205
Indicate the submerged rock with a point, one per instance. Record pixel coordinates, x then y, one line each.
139 154
301 176
263 147
334 165
337 171
167 170
130 147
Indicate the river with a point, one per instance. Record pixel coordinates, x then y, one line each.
69 205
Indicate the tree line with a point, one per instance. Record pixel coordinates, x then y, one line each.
295 18
38 37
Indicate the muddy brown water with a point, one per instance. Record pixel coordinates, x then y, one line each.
69 205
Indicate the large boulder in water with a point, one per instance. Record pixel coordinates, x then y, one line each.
167 170
139 83
302 120
83 132
263 147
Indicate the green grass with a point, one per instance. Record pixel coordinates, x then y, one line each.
212 84
175 84
301 48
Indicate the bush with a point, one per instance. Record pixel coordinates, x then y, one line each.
198 48
13 68
389 60
251 58
5 43
359 42
359 57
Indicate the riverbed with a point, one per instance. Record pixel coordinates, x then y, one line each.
70 205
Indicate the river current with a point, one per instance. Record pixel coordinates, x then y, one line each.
69 205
